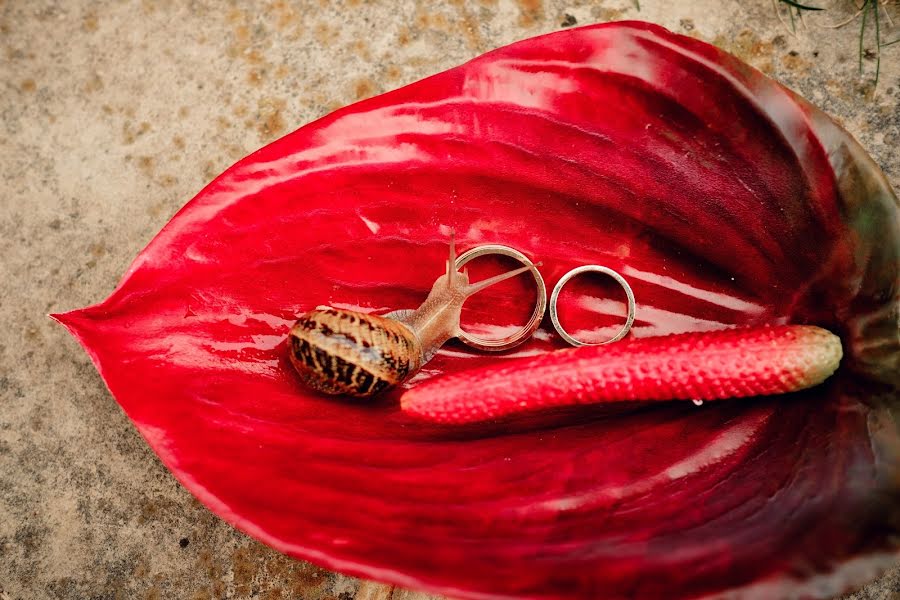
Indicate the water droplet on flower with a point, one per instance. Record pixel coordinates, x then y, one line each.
697 402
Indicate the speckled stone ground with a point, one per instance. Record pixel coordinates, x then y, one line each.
114 113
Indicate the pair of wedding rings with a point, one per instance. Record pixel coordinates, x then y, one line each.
540 307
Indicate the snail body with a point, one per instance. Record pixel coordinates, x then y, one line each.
337 351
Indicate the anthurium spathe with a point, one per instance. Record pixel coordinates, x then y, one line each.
723 198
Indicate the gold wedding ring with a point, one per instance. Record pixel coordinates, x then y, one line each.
554 316
537 315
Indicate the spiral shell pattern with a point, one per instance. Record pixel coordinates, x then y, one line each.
338 351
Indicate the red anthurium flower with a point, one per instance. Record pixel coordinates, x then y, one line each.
722 197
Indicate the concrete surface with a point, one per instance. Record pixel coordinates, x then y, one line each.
115 113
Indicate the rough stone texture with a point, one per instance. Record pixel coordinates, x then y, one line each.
115 113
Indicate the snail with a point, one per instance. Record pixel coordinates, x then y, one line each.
338 351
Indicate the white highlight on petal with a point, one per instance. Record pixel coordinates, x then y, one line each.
508 82
723 300
359 307
661 321
389 121
722 446
372 225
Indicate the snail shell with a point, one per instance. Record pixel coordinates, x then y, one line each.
346 352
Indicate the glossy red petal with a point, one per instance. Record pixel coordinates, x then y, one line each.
723 198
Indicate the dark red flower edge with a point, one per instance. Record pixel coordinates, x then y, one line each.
855 294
